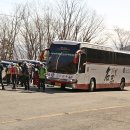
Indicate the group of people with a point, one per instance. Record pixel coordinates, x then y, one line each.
23 74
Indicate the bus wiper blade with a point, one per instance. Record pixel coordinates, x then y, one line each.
58 61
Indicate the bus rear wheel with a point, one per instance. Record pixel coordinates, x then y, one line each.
92 85
122 85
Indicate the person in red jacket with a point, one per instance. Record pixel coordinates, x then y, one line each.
13 72
76 60
36 79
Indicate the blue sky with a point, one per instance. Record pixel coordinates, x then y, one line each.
115 12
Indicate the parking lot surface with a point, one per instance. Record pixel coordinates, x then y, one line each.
56 109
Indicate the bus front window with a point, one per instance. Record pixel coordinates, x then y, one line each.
61 63
61 59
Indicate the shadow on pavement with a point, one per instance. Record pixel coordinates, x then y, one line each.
51 90
110 89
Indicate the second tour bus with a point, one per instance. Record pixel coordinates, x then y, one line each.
79 65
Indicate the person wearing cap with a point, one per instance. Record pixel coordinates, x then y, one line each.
42 76
1 82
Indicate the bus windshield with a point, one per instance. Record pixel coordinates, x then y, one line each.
61 58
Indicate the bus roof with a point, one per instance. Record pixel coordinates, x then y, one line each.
96 46
89 45
66 42
123 51
84 44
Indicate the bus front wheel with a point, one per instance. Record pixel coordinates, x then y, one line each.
92 85
122 85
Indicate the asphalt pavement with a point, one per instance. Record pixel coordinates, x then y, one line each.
55 109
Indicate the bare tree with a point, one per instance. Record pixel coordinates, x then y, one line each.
120 38
29 33
36 31
49 24
68 20
9 29
75 22
93 27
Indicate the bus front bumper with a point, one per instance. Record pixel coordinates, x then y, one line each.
71 84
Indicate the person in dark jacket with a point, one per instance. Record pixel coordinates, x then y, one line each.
8 74
1 82
25 74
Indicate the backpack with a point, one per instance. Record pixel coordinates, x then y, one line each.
25 71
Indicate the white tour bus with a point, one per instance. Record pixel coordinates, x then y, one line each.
80 65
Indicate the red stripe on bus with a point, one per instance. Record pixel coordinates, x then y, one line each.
114 85
127 84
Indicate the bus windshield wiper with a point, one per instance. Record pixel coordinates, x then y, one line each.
58 61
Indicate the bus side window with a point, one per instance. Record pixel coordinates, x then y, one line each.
82 63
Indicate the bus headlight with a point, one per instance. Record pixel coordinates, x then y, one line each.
73 80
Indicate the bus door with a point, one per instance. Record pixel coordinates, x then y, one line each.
81 68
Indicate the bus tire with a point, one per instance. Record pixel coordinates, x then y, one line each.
122 85
92 85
